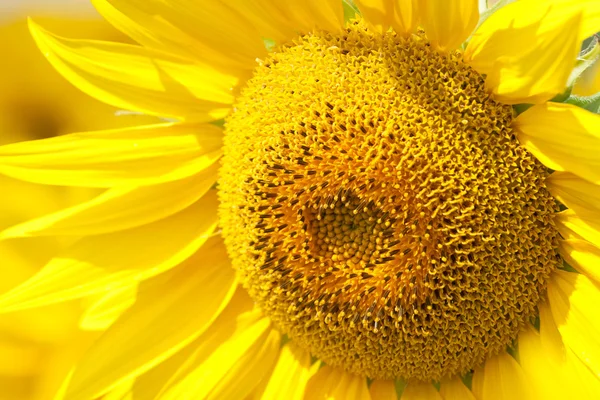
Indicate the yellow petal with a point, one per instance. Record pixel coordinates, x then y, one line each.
420 391
170 313
269 19
107 308
579 195
573 377
143 155
583 256
121 392
104 262
574 303
213 30
331 383
290 376
310 14
527 49
239 314
545 375
563 137
120 208
164 36
401 15
579 226
139 79
449 23
455 389
383 390
588 83
230 360
501 378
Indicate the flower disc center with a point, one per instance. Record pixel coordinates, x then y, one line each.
377 206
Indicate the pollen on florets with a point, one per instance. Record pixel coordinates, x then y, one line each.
376 204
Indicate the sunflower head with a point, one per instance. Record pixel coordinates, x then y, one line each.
377 205
398 197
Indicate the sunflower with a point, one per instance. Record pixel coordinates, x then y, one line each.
39 346
342 202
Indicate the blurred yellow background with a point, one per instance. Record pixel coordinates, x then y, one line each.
38 347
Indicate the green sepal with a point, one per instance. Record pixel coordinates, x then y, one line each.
588 57
350 10
590 103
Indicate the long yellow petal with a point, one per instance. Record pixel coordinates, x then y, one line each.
383 390
170 313
543 373
527 49
420 391
143 155
229 363
139 79
583 256
99 263
239 315
269 19
579 226
331 383
501 378
449 23
107 308
120 208
579 195
401 15
138 21
455 389
574 303
307 15
574 376
563 137
290 376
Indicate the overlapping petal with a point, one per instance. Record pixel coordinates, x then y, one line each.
383 390
139 79
581 196
579 226
401 15
215 25
170 312
583 256
229 361
143 155
543 373
420 391
107 308
449 23
527 49
563 137
120 208
551 368
268 18
105 262
573 300
501 378
455 389
310 14
290 376
335 384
